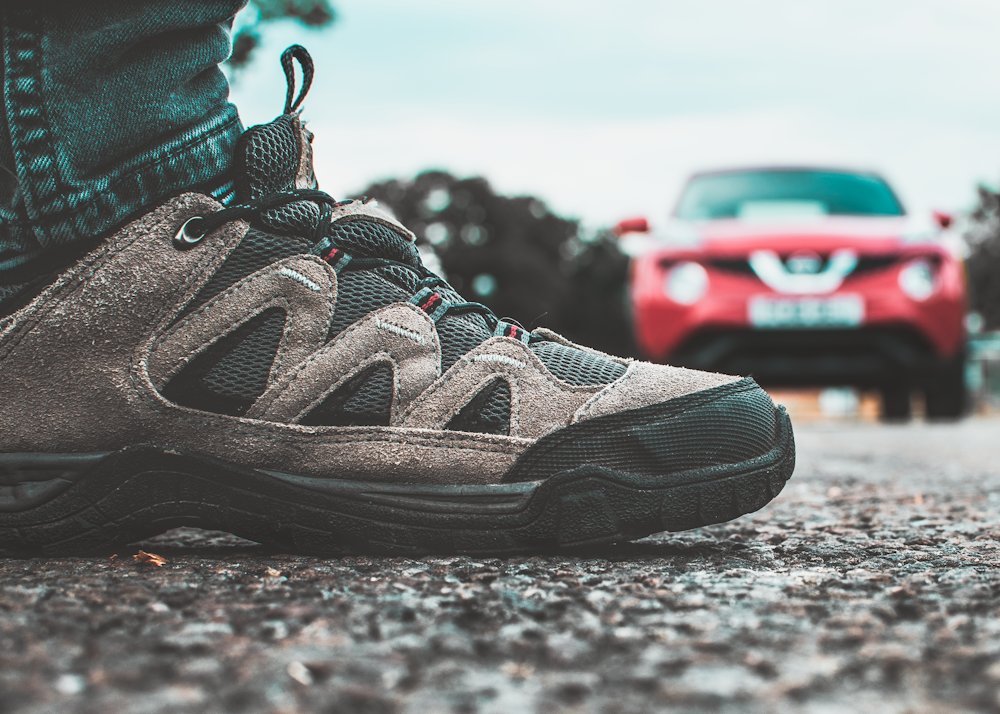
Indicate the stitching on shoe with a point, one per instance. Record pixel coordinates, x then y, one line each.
214 302
399 330
232 289
497 359
463 361
336 342
287 272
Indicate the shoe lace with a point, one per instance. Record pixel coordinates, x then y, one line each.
426 297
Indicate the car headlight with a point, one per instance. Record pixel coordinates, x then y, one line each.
686 283
917 280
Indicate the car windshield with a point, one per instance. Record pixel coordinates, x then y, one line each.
786 193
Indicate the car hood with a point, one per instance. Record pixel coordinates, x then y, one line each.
863 235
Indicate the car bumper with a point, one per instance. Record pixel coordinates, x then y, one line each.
865 357
894 329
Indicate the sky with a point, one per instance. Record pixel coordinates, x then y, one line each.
603 109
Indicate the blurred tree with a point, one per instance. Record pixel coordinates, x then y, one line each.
516 256
311 13
983 264
597 314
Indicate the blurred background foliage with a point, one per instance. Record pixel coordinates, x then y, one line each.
258 14
511 254
529 264
982 236
516 256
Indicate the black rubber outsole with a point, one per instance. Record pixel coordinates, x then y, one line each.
91 504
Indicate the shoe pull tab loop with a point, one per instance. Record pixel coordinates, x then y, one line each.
300 53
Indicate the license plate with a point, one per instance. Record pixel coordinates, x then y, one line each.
839 311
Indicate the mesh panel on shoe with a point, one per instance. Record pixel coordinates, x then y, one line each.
374 396
229 376
486 413
400 276
299 218
577 367
364 400
459 334
266 159
365 238
496 409
358 294
255 251
244 371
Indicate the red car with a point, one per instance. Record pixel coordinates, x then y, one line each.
803 276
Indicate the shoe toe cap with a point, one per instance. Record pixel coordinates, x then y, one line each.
645 384
725 424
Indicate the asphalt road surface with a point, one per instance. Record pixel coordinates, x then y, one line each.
871 585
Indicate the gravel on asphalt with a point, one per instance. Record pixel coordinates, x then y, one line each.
870 584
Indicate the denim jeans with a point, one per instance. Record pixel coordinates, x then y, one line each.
110 107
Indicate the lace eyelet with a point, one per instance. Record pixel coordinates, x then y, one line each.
187 235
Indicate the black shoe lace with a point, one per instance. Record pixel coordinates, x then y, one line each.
432 302
194 229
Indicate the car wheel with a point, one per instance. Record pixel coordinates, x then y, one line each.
945 390
895 402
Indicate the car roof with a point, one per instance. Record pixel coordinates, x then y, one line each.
796 167
789 167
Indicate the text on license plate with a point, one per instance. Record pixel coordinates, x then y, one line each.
839 311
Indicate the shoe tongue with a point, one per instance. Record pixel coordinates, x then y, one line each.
277 156
368 238
274 157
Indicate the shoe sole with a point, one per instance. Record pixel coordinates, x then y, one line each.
54 505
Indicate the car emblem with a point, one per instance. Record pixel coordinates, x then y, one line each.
804 262
769 268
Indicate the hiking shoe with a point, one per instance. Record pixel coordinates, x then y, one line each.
287 370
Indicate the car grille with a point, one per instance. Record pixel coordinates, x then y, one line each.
863 357
740 266
732 266
871 263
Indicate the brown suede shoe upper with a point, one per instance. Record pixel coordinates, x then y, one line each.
82 366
